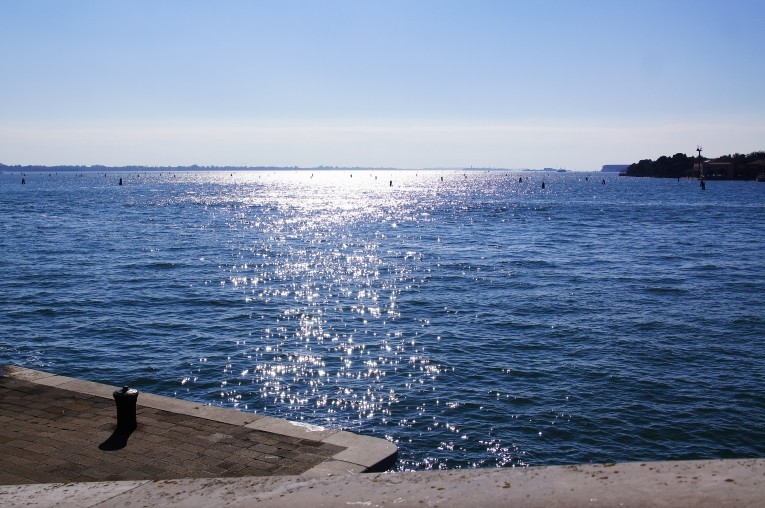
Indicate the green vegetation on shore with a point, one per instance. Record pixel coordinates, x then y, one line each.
728 167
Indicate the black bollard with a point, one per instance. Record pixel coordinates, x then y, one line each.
126 400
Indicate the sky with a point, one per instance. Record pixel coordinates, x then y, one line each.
409 84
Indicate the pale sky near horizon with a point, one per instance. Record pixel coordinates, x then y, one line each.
411 84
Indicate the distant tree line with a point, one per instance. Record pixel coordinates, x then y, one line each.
735 167
677 166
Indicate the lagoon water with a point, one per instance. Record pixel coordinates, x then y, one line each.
473 319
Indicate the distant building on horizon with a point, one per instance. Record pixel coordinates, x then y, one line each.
615 168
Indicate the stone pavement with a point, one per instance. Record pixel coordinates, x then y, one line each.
58 429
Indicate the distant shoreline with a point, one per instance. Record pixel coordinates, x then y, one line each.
195 167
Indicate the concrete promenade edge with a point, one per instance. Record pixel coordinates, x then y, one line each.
724 483
697 484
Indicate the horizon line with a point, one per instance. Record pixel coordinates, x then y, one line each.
197 167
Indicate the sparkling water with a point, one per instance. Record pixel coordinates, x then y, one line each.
473 318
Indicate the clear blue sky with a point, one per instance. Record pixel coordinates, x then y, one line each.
511 84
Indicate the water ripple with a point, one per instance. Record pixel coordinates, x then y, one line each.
473 319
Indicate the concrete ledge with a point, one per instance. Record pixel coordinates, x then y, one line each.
34 376
292 429
361 454
359 450
698 484
63 494
197 410
334 467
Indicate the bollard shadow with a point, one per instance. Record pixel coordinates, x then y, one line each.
117 441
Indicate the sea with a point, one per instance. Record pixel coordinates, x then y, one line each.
473 318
